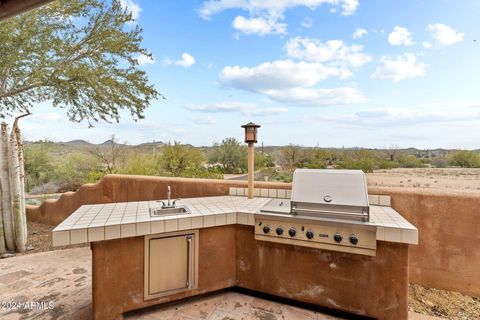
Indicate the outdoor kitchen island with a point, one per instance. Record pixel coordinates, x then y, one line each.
221 252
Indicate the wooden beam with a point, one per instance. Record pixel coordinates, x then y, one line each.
10 8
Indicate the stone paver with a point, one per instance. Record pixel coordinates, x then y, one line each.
57 285
47 285
228 305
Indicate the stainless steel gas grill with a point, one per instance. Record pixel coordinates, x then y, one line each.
328 209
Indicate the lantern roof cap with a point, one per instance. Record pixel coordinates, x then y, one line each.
251 124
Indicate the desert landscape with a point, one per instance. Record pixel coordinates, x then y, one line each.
458 179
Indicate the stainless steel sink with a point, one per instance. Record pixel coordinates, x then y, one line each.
160 212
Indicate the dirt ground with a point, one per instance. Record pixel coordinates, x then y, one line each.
445 304
457 179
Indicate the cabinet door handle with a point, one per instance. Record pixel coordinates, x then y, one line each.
190 261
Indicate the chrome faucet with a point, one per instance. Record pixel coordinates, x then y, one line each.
169 204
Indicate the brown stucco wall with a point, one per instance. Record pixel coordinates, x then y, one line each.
118 274
447 256
373 286
448 253
122 188
229 256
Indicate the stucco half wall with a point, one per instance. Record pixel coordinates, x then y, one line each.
447 256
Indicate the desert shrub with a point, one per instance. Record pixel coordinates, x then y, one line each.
439 162
230 155
364 164
141 164
387 164
176 159
76 169
464 159
272 174
39 167
410 161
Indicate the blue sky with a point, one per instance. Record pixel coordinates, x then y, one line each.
330 73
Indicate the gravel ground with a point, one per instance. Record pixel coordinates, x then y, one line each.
40 238
445 304
433 302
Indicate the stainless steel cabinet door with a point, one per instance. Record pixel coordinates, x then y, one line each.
170 264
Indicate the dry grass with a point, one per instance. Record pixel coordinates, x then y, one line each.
456 179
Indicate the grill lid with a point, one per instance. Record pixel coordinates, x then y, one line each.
332 193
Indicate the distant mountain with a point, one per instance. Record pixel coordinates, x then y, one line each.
77 143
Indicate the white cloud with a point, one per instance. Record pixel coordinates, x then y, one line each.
259 25
318 97
400 36
426 45
307 22
144 59
445 35
248 109
266 16
186 61
332 52
205 120
279 74
291 82
359 33
133 8
399 68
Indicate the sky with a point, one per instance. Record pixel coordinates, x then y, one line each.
328 73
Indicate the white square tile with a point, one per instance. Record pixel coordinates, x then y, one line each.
410 236
256 192
242 218
373 199
96 234
112 232
381 233
240 191
289 194
384 200
264 193
245 191
184 223
143 228
157 226
60 238
197 222
208 221
232 191
281 193
251 219
171 225
272 193
231 218
127 230
220 219
393 234
78 236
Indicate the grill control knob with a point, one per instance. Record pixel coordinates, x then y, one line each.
337 237
292 232
309 234
266 229
279 231
353 239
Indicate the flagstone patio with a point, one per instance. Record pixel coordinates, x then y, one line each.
57 285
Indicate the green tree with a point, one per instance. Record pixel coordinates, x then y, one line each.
141 164
410 161
39 168
177 159
231 154
76 169
76 54
464 159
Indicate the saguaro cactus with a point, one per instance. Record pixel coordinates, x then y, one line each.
13 222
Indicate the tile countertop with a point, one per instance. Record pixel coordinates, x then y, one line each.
100 222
